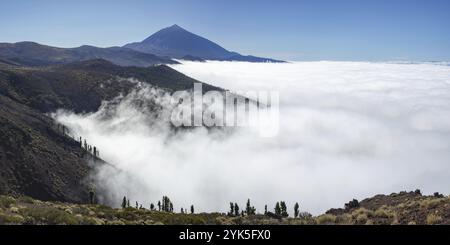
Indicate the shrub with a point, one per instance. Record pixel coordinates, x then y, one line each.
51 216
115 222
26 199
11 219
326 219
362 211
433 219
383 212
91 221
362 219
224 221
431 203
127 214
344 219
5 201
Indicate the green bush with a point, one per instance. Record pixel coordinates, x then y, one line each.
51 216
26 199
6 202
11 219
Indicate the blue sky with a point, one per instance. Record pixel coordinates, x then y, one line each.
293 30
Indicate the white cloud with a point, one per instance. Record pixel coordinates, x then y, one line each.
348 130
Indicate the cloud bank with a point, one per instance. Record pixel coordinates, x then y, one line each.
347 130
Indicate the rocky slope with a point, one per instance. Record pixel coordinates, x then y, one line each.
39 159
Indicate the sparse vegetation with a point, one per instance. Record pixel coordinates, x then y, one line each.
398 208
326 219
433 219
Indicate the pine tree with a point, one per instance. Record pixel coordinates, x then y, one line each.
124 202
167 205
128 203
91 196
236 209
284 212
159 205
192 209
182 211
249 209
296 210
152 206
231 213
277 209
265 209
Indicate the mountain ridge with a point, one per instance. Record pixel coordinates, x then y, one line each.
35 54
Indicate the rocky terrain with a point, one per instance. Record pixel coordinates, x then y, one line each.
405 208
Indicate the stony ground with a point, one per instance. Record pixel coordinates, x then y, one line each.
406 208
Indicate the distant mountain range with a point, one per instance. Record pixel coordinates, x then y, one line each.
176 42
34 54
160 48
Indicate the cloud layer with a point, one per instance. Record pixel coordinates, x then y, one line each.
347 130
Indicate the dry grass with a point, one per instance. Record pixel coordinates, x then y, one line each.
326 219
433 219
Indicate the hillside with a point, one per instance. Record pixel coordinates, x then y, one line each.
176 42
34 54
39 159
402 208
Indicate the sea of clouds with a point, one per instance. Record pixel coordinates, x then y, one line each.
347 130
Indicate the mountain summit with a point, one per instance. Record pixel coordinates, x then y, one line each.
176 42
